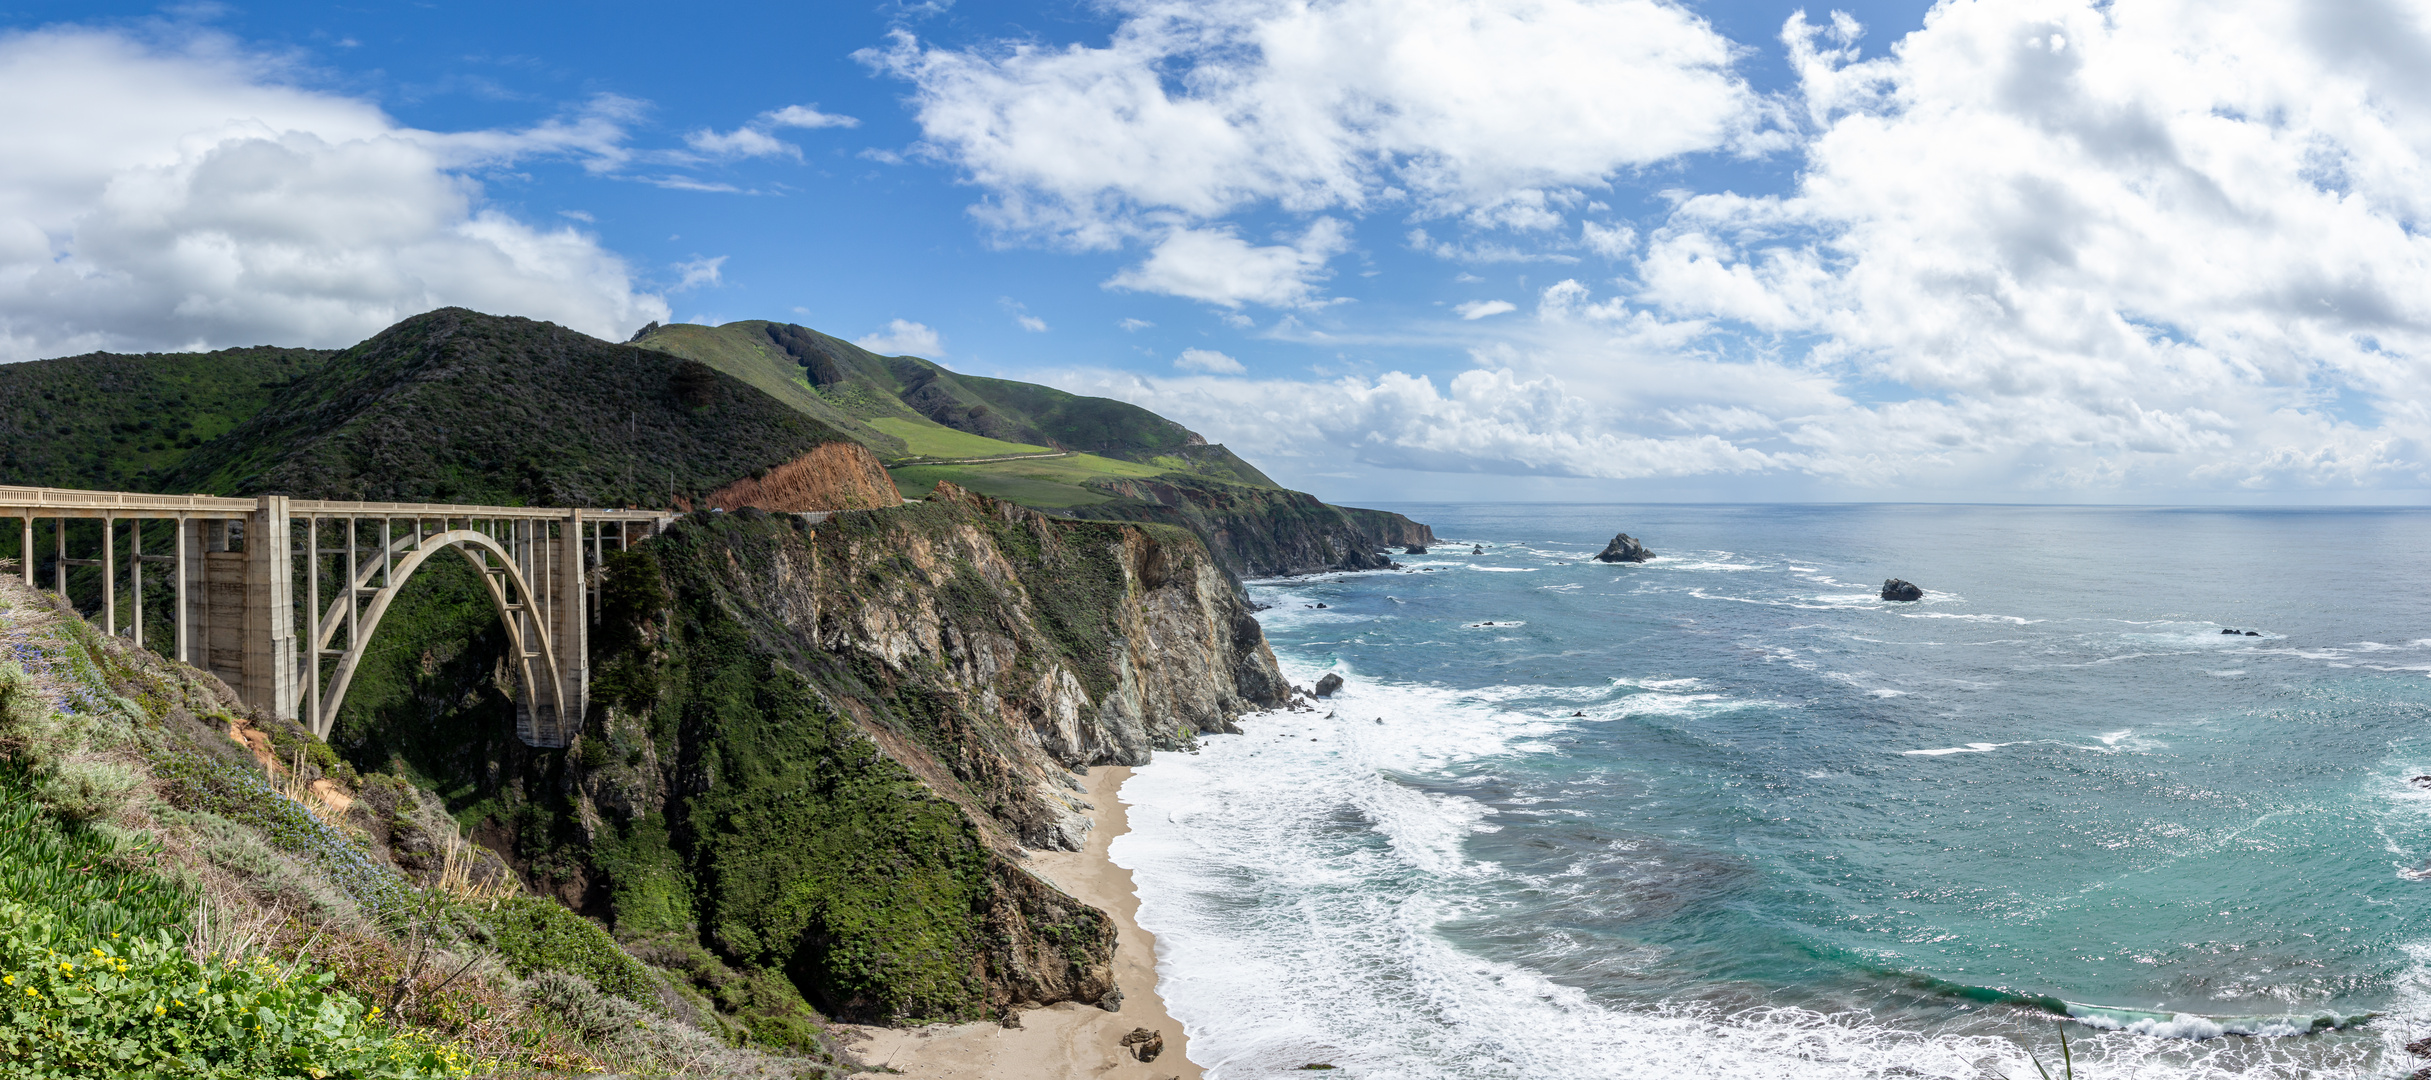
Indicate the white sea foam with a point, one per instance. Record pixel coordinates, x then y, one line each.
1300 890
1970 748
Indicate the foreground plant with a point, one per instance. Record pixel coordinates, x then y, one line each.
139 1005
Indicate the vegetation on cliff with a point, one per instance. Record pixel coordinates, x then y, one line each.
175 902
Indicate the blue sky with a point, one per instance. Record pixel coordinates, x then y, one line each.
1605 249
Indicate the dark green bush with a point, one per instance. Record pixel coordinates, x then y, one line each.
537 934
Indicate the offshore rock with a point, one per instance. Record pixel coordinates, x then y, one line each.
1327 685
1895 589
1414 549
1624 548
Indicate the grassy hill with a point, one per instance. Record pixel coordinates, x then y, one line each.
1041 447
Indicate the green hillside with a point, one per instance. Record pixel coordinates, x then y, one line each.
105 420
457 406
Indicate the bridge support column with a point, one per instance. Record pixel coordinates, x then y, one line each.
268 675
569 623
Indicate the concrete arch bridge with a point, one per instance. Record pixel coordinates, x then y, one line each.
246 574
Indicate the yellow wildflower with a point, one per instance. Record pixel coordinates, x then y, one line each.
10 980
159 1011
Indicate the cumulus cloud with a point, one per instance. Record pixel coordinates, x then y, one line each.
165 198
903 337
1499 110
1208 361
1217 266
1484 420
2147 242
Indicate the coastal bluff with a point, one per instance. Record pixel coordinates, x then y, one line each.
828 745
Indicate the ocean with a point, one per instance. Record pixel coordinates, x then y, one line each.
1729 814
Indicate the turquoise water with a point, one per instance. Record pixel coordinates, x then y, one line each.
1729 814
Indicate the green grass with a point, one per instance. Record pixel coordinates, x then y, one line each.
1048 483
743 351
922 438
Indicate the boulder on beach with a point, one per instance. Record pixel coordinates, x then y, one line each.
1145 1044
1895 589
1327 685
1624 548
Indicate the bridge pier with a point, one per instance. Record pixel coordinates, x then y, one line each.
236 610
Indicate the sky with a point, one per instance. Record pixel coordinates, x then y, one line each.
2055 251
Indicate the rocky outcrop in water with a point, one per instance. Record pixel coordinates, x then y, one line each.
1624 548
1327 685
1895 589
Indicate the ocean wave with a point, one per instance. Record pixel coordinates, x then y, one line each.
1970 748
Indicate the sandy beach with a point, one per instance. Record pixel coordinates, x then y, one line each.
1068 1040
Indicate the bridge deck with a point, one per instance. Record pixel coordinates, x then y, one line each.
68 502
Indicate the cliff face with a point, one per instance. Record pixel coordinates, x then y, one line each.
833 476
822 747
1261 532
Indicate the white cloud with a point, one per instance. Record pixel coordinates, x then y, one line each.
1207 107
1610 241
903 337
1484 420
1498 112
698 271
1031 323
2143 244
808 116
1217 266
1208 361
753 139
1134 325
740 143
1478 309
189 198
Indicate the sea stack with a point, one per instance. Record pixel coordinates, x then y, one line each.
1895 589
1327 685
1624 548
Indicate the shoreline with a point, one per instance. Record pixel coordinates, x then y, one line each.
1069 1039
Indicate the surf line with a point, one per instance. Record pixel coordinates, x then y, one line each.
2151 1022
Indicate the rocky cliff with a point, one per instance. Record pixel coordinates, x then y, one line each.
822 748
1261 531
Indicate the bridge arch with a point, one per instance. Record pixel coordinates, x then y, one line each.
544 716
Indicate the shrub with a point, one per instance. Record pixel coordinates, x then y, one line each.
138 1005
537 934
243 795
